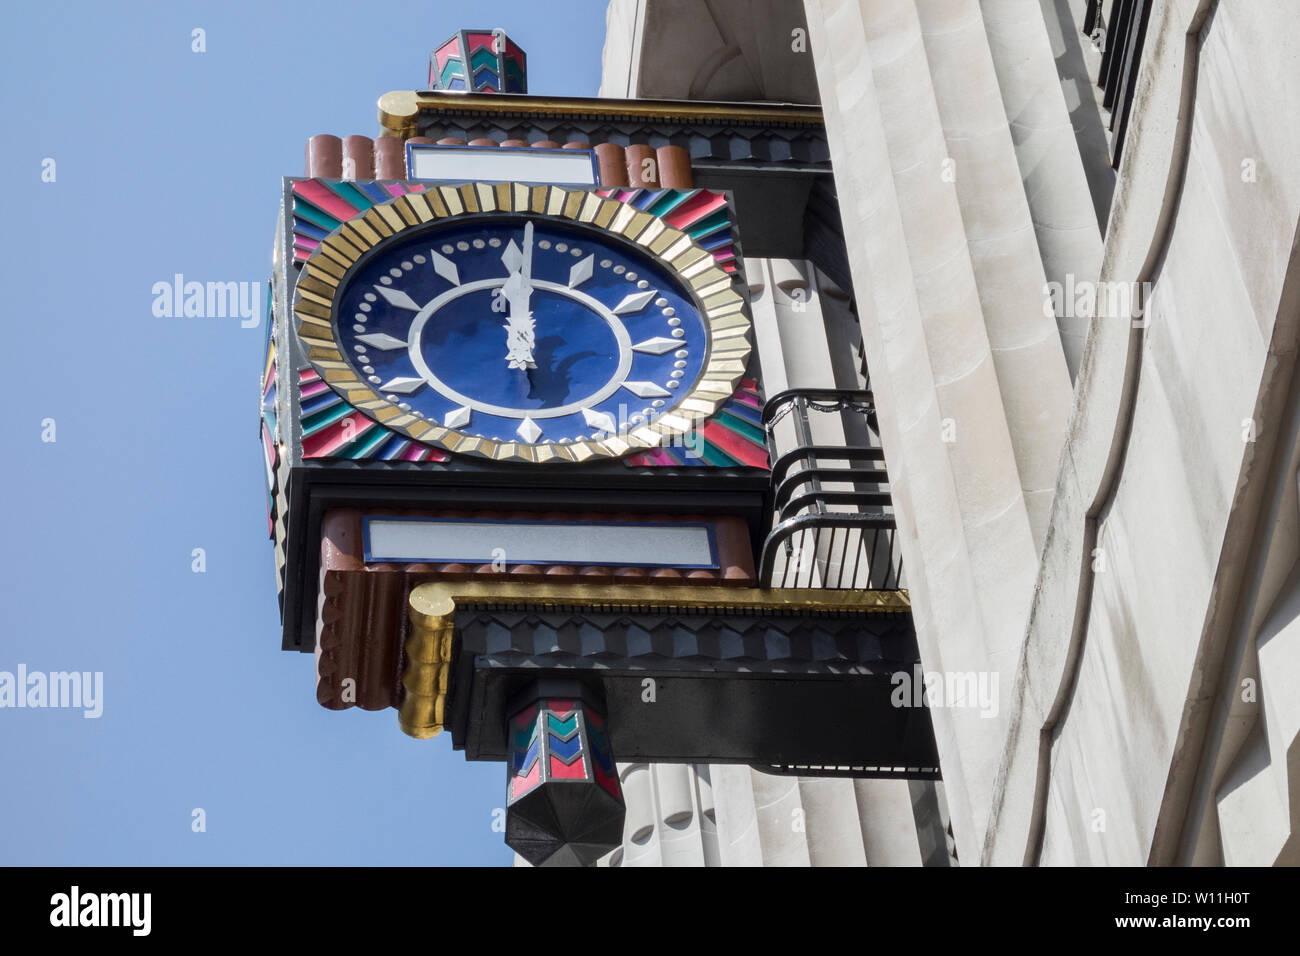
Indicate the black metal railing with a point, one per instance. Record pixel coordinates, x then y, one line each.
1119 28
833 519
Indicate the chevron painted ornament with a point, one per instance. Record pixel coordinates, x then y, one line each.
479 61
564 805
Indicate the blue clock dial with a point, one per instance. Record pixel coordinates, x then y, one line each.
522 329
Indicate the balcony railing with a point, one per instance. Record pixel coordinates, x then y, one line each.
833 520
1119 29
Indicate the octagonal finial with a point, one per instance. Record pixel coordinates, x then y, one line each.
479 61
564 806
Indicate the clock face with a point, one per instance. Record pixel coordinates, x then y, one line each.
464 318
522 329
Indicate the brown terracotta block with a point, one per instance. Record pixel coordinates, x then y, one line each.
576 145
526 572
545 144
734 554
642 166
483 141
324 156
449 141
358 157
674 167
390 158
515 143
595 575
340 532
379 646
335 649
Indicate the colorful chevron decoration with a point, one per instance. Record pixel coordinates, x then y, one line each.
322 205
562 791
479 61
701 214
732 438
602 758
559 741
525 767
331 428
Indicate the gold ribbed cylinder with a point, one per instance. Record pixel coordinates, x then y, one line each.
428 653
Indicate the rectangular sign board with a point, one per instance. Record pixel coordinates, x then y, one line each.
482 541
501 164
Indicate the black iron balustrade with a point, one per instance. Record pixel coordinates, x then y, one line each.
1119 29
833 518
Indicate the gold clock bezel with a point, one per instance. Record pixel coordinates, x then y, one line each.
324 276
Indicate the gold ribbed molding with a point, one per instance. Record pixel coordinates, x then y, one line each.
399 110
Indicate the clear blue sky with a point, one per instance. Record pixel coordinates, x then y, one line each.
170 161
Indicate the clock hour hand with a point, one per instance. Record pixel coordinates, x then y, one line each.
518 290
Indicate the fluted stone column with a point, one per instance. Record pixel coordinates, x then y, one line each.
737 816
963 522
671 817
885 846
1024 341
1047 153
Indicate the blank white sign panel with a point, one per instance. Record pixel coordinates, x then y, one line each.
463 164
582 543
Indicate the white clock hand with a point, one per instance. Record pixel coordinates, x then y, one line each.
518 290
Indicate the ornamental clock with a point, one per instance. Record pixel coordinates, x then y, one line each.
523 335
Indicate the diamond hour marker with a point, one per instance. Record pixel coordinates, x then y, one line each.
656 346
635 302
402 386
601 421
581 272
397 298
645 389
528 431
382 341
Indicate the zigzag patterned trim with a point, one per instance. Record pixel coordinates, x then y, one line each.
331 428
701 214
732 438
320 207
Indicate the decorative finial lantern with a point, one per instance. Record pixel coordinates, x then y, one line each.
479 61
564 804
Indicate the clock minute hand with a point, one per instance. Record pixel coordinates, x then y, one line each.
518 290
